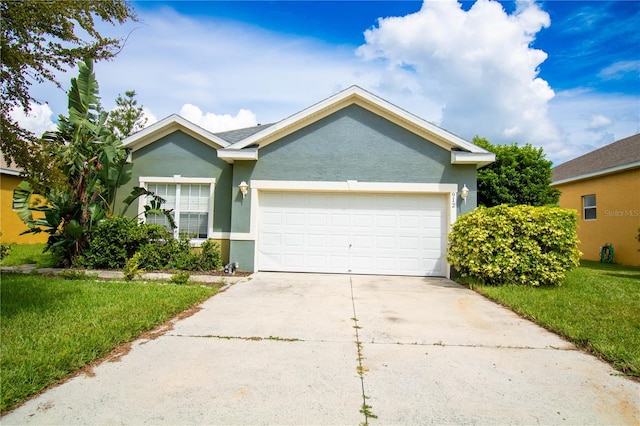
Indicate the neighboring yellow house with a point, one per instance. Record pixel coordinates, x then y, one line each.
10 225
604 187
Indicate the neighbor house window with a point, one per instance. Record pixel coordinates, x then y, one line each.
589 207
191 200
14 205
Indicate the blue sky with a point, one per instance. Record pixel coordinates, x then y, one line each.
562 75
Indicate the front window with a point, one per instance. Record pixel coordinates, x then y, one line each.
191 200
589 207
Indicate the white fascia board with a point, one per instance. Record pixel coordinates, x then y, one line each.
480 159
368 101
608 171
230 155
353 186
283 124
175 179
10 172
168 125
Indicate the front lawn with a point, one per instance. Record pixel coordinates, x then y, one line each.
597 307
23 254
51 327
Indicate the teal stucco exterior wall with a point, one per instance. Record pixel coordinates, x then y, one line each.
181 154
351 144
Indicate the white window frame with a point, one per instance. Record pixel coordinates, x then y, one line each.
179 180
585 207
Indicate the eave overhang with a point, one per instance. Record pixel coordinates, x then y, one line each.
232 155
168 125
479 159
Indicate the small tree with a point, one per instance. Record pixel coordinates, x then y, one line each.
520 175
127 117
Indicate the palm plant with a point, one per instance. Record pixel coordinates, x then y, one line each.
94 163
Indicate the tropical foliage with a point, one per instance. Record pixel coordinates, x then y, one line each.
523 245
520 175
94 165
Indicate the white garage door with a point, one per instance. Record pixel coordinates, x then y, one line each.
390 234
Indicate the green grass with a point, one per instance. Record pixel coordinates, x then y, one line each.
597 307
23 254
51 327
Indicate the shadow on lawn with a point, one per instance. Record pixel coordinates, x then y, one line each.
629 276
18 295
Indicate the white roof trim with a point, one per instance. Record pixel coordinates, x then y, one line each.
230 155
367 100
608 171
168 125
480 159
11 172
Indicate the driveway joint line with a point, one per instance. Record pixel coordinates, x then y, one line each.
366 408
249 338
458 345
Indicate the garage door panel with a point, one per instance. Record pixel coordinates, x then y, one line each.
358 233
362 220
294 240
385 242
271 239
412 243
317 241
317 219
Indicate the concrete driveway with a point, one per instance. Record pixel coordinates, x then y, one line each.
311 349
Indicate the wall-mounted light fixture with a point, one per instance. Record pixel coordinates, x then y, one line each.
244 189
464 193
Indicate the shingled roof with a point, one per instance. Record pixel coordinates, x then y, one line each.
233 136
616 156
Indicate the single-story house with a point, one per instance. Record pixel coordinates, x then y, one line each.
352 184
604 187
10 224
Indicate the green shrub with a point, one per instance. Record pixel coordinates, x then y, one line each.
164 254
116 240
132 267
5 249
515 245
180 278
210 256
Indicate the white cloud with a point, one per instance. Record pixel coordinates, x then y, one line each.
620 69
150 116
599 121
478 64
218 123
37 121
584 117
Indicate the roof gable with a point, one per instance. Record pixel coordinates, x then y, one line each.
617 156
169 125
462 152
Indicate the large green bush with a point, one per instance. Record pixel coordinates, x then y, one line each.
515 245
117 239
